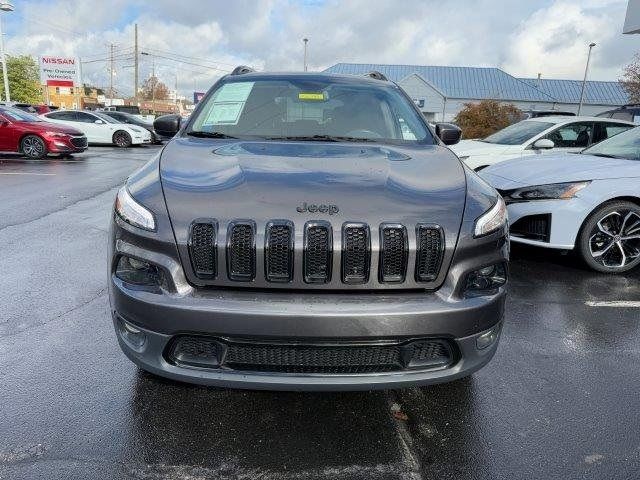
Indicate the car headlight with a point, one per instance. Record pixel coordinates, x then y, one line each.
137 130
56 134
464 157
552 191
492 220
132 212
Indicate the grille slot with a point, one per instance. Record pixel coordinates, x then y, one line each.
279 249
309 358
394 249
534 227
356 253
318 252
79 141
202 248
430 251
241 251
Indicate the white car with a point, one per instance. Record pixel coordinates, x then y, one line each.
100 128
589 201
538 135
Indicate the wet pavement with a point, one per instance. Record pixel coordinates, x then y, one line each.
559 400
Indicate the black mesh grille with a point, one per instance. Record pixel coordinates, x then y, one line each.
202 249
535 227
356 253
393 253
253 356
279 252
79 141
318 249
430 242
241 251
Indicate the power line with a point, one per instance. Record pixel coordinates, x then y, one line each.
180 57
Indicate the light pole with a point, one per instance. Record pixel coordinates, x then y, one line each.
154 80
5 7
584 81
305 40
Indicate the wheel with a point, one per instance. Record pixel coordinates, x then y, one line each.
33 146
122 139
609 241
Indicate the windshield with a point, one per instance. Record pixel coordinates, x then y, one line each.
19 115
106 118
518 133
623 145
310 109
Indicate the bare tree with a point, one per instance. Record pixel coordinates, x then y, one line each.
631 79
151 84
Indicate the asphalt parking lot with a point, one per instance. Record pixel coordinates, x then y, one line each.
559 400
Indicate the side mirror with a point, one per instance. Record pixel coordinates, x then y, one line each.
167 125
98 121
543 144
448 133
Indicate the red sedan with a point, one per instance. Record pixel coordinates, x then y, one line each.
30 135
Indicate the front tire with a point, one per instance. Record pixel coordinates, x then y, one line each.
33 146
609 241
122 139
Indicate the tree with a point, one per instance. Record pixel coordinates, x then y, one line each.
631 79
477 120
151 84
24 79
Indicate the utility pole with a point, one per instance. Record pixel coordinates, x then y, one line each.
135 64
111 48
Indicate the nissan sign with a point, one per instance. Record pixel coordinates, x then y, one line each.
59 71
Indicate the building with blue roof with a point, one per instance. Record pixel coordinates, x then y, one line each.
441 92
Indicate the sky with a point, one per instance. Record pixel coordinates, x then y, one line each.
194 42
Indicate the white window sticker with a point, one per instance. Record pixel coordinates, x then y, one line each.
228 103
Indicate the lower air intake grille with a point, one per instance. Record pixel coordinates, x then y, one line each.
340 358
318 252
534 227
202 249
279 251
241 251
393 253
356 253
430 244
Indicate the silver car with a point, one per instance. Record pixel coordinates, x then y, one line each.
588 201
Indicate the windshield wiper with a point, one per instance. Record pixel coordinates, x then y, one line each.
322 138
203 134
606 155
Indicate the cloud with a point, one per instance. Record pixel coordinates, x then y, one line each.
210 37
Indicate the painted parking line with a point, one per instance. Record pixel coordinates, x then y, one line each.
27 173
614 304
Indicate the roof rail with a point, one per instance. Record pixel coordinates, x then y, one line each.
241 70
377 76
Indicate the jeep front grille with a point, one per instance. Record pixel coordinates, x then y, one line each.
430 250
393 253
202 248
241 251
356 253
276 252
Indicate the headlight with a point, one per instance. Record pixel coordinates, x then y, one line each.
56 134
136 129
132 212
492 220
464 157
547 192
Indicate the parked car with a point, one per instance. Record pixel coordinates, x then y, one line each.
99 128
30 135
127 118
565 134
630 113
307 231
589 201
131 110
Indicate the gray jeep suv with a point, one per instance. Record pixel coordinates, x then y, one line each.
307 231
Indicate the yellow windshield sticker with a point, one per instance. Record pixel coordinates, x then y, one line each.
310 96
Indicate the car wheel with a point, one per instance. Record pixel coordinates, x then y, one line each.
33 146
609 241
122 139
